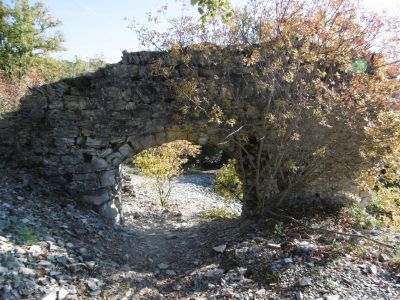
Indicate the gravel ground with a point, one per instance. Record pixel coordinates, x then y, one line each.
54 250
190 195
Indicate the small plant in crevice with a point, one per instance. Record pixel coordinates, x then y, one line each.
21 233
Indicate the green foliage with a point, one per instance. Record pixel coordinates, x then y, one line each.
227 182
209 9
362 218
164 163
21 233
323 116
385 206
52 70
218 213
27 31
43 69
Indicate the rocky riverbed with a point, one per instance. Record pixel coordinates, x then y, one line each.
52 249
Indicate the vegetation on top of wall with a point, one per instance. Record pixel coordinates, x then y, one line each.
27 37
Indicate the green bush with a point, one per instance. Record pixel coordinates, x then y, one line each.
227 182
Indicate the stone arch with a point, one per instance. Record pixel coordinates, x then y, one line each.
106 168
76 132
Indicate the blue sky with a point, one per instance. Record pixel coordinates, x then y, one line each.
93 27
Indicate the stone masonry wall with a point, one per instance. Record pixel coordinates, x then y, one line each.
76 132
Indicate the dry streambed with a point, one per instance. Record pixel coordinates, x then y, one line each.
50 249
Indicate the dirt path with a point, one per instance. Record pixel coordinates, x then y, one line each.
175 240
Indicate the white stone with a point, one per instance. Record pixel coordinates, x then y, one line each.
305 281
35 250
62 294
170 272
51 296
163 266
332 297
288 260
220 248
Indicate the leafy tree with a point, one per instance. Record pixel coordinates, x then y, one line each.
25 35
164 163
210 9
322 77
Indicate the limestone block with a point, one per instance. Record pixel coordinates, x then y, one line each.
144 71
99 164
108 178
71 102
117 140
110 211
98 198
115 158
72 159
121 115
132 70
106 152
95 143
160 137
68 141
126 150
148 141
135 143
130 106
85 176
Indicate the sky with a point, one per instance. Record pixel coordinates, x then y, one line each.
99 27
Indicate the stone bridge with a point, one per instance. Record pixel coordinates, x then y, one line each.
77 132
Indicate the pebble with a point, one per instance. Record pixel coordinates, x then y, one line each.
383 257
39 270
372 269
332 297
214 274
62 293
305 281
170 272
220 248
273 245
51 296
288 260
299 295
163 266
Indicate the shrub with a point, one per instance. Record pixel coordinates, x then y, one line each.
386 206
218 213
314 106
227 182
164 163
